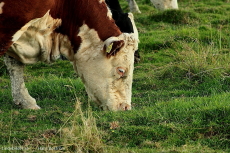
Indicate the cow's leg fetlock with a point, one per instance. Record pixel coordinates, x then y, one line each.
24 99
19 91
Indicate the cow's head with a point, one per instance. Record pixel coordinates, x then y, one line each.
106 68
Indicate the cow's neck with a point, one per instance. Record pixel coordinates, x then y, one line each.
93 13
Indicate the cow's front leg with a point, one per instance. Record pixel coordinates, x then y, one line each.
19 92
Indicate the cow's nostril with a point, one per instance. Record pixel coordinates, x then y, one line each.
121 71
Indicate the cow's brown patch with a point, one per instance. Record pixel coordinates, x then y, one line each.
93 14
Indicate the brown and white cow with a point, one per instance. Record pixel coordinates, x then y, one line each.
81 30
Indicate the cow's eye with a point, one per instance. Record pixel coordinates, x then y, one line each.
121 71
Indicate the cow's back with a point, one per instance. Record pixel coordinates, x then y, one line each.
73 13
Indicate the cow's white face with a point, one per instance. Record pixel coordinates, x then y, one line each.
108 80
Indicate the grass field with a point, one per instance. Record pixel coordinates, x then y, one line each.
181 92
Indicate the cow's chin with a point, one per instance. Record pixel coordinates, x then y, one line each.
114 101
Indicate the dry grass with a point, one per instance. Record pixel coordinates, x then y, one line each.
83 135
78 134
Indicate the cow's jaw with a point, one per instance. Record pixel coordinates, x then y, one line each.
108 81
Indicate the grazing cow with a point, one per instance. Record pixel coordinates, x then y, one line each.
123 21
81 30
165 4
158 4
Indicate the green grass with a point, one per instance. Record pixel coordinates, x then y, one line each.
180 92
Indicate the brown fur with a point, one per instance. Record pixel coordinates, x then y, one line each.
73 14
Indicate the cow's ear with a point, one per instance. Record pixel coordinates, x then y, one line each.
112 46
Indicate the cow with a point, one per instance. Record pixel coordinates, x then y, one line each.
81 30
165 4
158 4
123 21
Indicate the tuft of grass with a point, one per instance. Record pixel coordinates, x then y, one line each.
195 65
83 135
216 10
175 17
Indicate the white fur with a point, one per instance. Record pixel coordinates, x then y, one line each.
109 13
101 79
100 1
165 4
159 4
136 35
1 7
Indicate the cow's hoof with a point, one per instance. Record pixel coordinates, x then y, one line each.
34 107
